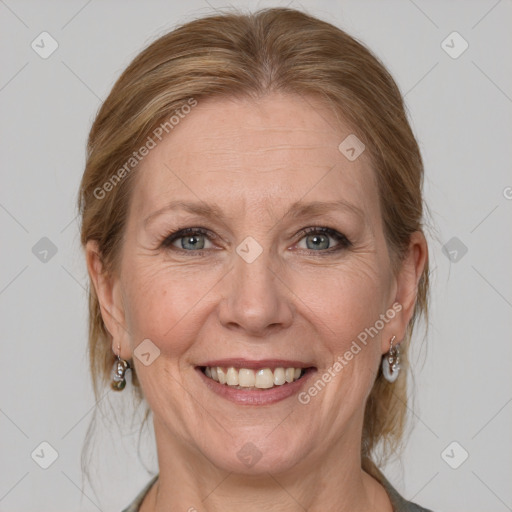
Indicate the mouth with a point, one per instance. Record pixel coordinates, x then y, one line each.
255 382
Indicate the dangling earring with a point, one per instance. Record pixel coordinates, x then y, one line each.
118 373
391 362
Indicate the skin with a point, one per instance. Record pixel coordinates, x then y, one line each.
255 158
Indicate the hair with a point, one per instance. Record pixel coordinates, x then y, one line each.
252 55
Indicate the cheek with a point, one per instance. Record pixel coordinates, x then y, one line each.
163 304
346 303
344 300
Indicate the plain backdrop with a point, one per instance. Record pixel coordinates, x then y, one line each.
459 454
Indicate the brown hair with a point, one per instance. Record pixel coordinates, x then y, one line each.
252 55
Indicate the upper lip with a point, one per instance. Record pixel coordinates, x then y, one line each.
256 363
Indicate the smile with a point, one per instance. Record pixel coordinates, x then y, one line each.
248 378
262 382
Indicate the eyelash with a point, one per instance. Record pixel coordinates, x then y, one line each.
343 241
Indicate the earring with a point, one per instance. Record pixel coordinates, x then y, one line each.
118 373
391 362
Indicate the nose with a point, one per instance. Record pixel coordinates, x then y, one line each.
257 301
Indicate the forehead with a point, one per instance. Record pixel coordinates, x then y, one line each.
261 154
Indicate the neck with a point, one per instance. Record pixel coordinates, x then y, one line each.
189 482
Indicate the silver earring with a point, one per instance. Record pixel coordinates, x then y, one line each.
391 362
118 382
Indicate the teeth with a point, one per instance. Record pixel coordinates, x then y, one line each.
279 376
221 374
232 377
264 379
244 378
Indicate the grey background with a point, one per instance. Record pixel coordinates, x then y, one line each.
461 112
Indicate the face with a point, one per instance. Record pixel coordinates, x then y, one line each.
283 265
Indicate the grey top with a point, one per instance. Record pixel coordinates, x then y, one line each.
399 503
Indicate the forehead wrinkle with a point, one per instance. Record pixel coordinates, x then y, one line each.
298 209
263 147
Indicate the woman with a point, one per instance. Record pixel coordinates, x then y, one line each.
251 217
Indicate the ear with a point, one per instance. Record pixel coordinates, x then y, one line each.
109 295
407 281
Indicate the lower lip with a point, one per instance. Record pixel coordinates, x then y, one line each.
257 396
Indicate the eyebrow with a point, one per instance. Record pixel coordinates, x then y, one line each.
299 209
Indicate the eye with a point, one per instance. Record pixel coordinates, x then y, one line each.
318 239
188 239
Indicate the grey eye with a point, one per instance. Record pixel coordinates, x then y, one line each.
191 242
317 241
320 239
189 239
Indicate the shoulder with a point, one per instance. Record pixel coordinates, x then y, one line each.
399 503
136 503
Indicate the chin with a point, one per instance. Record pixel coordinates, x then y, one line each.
257 454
